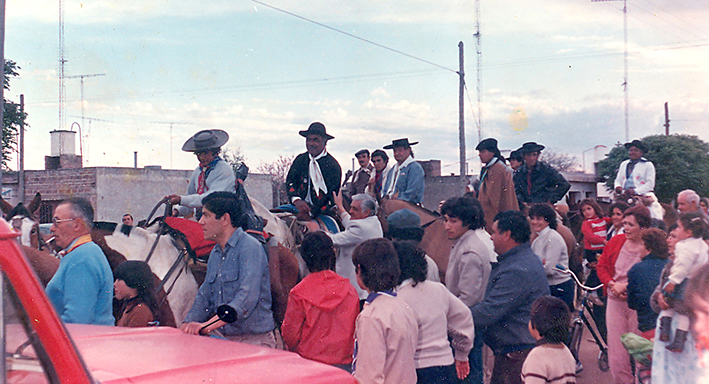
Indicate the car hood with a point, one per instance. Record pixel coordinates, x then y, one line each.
166 355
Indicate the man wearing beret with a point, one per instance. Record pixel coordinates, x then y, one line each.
496 190
536 181
212 174
314 175
407 178
636 175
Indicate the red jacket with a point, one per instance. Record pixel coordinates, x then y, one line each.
320 319
606 263
594 232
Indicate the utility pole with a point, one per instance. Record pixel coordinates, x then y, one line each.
21 192
461 120
667 120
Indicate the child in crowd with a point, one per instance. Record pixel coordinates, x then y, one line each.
550 361
691 252
643 278
386 333
135 289
594 228
320 316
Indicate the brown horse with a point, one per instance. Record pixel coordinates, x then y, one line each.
435 242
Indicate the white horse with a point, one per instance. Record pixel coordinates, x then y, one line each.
181 286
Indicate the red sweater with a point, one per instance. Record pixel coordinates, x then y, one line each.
320 319
606 263
594 232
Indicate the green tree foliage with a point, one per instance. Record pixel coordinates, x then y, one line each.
13 117
681 162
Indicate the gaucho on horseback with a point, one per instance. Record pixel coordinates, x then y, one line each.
212 174
314 176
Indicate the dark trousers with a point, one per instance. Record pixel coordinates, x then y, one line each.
565 292
436 375
475 358
598 313
508 367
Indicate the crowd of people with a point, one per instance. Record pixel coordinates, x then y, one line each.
373 303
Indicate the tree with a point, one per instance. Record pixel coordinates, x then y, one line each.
278 170
13 117
681 162
234 157
559 161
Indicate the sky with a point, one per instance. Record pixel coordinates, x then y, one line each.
371 71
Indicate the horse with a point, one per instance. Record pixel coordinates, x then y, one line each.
22 220
435 242
168 261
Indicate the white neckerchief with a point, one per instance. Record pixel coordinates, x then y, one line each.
316 177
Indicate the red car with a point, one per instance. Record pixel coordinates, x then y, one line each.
41 349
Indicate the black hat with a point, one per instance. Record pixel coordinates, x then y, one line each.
637 144
206 139
530 147
316 128
400 143
516 154
489 145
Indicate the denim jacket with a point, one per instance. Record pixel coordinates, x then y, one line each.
238 276
410 183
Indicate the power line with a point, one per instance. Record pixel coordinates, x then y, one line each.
355 37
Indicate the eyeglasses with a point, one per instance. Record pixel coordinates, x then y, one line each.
57 221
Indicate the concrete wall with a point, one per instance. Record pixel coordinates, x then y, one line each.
440 188
115 191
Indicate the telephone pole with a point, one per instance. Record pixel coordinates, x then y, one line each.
667 120
461 120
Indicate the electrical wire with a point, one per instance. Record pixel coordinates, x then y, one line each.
354 36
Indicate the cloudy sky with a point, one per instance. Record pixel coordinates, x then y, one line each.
552 72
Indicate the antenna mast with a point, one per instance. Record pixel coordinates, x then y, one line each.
62 61
479 54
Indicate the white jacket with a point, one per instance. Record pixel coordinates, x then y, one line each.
355 233
643 176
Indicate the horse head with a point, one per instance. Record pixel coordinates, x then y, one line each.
23 221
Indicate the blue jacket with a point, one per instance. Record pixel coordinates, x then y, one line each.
238 276
516 280
410 184
643 277
82 288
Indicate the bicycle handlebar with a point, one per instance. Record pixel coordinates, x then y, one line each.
578 282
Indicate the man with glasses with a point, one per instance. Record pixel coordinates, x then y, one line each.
212 174
82 288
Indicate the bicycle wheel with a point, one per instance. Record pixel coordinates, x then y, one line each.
576 334
603 360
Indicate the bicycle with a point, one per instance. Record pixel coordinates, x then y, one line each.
579 318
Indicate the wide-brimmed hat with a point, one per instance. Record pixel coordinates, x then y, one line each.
488 144
400 143
316 128
516 154
206 139
530 147
637 144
